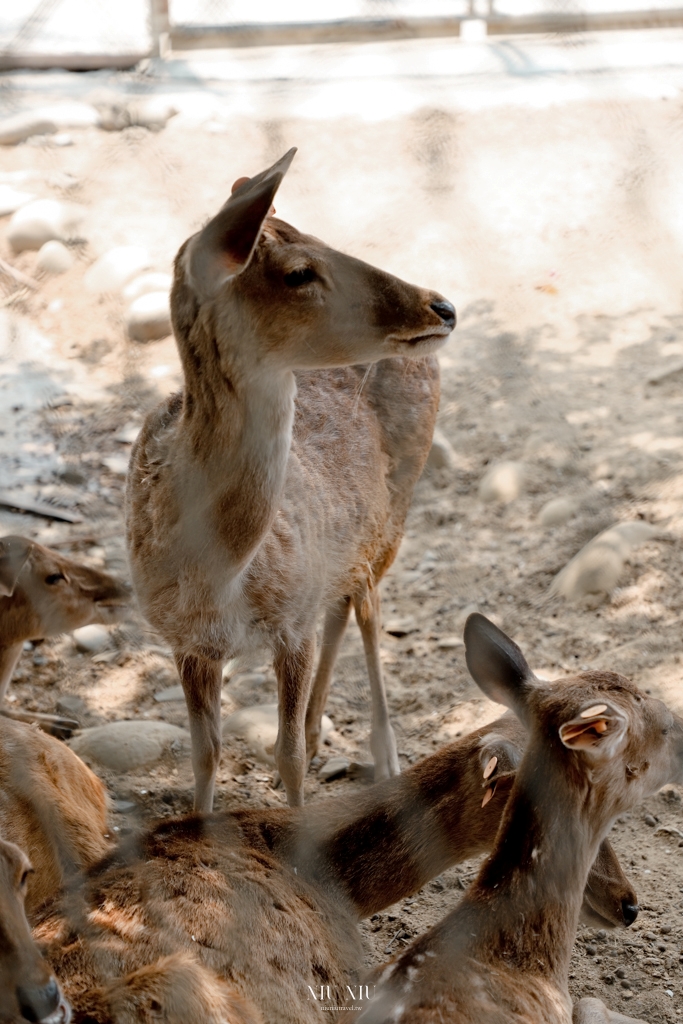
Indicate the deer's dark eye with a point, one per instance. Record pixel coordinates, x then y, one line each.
53 578
296 278
24 877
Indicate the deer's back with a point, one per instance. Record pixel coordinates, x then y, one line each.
51 805
193 885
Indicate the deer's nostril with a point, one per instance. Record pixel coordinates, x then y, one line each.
38 1003
629 911
445 310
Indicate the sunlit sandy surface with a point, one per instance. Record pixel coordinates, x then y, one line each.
538 184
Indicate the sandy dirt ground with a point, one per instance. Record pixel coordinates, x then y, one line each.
557 231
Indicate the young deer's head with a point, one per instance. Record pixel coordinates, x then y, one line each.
609 743
286 299
44 593
28 989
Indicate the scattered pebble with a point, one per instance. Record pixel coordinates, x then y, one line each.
502 482
335 768
449 643
11 199
596 569
257 726
36 223
649 820
170 693
149 317
151 282
441 454
558 511
125 746
54 258
116 464
152 113
401 627
73 706
113 270
91 639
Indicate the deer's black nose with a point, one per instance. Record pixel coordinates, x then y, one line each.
38 1003
629 911
445 310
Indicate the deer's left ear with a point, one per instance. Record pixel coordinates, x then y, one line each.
598 729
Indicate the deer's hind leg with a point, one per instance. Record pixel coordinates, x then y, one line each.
202 679
382 739
294 671
336 621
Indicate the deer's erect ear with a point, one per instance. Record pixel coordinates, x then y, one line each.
14 552
599 729
224 247
497 665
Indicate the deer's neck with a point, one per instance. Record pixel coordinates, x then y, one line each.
237 425
380 846
524 906
9 656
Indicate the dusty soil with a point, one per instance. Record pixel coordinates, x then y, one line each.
557 233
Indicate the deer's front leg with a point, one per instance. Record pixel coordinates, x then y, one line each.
336 620
294 671
594 1011
382 739
201 679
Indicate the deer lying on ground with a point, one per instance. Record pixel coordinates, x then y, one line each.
44 593
597 746
278 481
52 806
246 914
28 989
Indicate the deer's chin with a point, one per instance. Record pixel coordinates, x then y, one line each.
421 344
107 614
62 1014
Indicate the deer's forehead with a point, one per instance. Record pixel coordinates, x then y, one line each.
563 697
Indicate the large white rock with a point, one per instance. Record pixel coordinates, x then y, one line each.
152 282
596 569
125 746
558 511
12 198
34 224
149 317
54 258
113 270
257 726
46 121
503 482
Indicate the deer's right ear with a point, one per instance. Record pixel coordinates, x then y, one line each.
497 665
224 247
14 552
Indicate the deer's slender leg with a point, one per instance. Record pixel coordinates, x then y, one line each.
9 658
336 620
594 1011
201 679
294 671
382 739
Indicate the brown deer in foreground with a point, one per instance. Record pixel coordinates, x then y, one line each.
597 746
277 483
28 989
52 807
44 593
243 915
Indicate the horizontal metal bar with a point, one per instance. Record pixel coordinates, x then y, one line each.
70 61
191 37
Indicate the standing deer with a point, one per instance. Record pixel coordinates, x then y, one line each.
597 747
278 481
44 593
241 915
